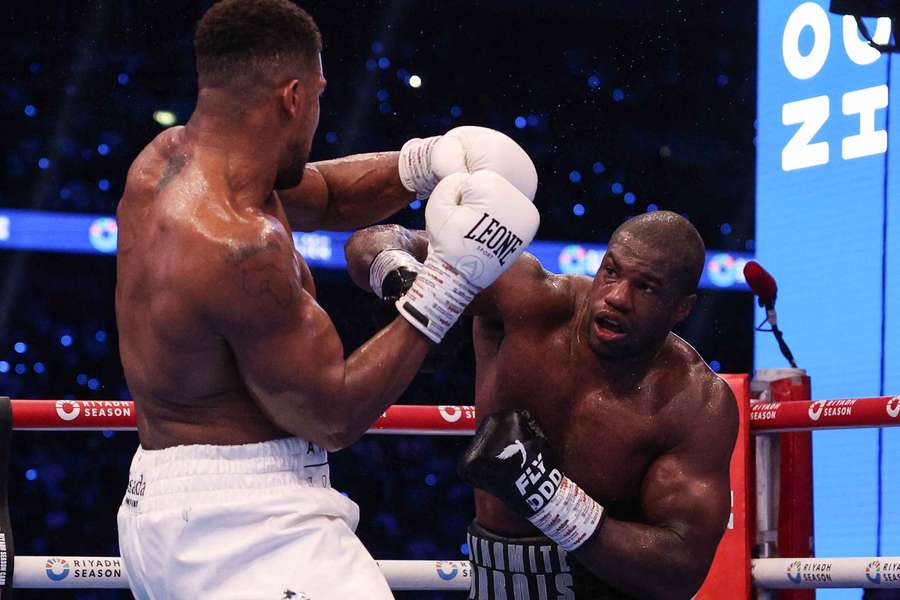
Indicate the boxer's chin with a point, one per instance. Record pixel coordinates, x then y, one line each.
611 349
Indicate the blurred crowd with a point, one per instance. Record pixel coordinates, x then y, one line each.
624 109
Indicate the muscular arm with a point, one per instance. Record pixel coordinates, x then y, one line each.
686 501
508 294
365 244
289 354
346 193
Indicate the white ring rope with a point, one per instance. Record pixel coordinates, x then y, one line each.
97 572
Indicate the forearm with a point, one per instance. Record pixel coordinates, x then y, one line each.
359 190
364 245
375 376
643 560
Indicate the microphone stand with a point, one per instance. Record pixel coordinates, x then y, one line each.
779 336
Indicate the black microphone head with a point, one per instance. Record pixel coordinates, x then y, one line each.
761 282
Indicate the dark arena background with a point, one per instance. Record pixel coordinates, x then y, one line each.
625 107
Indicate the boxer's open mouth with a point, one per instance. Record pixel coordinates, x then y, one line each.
608 327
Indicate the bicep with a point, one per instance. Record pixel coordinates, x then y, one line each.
687 489
693 502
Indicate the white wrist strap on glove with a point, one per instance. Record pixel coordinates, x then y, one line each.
436 299
415 166
570 517
389 260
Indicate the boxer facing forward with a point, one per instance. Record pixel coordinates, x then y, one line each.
602 434
238 376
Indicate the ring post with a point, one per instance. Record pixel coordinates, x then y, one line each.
784 476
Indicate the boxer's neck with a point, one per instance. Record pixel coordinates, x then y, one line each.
241 145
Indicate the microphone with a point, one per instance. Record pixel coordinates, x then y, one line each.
763 285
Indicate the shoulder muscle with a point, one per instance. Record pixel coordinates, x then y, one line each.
522 291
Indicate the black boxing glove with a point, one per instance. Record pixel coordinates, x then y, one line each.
511 458
392 273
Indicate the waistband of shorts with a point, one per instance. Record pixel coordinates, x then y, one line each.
536 554
528 567
203 467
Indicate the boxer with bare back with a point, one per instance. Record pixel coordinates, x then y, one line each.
601 460
238 376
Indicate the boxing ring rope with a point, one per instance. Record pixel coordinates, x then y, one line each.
765 418
107 572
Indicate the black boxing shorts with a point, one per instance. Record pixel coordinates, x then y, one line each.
532 568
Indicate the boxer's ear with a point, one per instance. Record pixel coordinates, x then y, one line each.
292 98
684 307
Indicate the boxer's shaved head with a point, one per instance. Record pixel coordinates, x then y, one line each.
646 284
676 235
265 40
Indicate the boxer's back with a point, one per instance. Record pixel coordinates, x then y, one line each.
606 430
182 375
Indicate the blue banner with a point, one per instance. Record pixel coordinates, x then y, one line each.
826 185
97 234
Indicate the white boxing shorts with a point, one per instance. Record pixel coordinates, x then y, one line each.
251 522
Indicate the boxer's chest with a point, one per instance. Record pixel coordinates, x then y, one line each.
606 440
606 445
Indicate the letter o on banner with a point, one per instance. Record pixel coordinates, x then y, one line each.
808 14
859 50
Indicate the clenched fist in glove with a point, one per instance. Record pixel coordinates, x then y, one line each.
477 226
511 458
426 161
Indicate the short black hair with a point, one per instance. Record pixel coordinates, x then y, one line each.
679 238
259 37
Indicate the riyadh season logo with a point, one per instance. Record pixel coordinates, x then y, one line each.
451 414
67 410
815 410
57 569
893 407
793 572
447 572
873 571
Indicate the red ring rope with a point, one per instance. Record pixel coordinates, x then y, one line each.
460 420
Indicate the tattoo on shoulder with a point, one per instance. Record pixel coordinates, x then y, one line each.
247 252
263 277
173 168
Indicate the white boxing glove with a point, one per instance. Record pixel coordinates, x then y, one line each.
425 161
477 225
